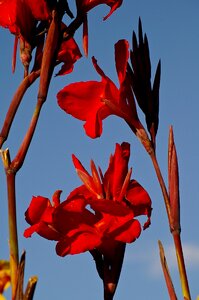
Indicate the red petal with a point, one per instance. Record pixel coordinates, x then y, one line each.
44 230
138 197
114 5
80 191
39 9
118 169
83 239
83 6
128 233
110 207
121 58
83 101
19 16
68 53
139 200
72 214
38 206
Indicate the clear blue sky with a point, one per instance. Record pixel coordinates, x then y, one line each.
173 32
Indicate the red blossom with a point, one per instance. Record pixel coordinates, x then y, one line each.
93 101
115 199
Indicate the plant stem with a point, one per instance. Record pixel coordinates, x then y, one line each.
47 67
181 265
162 184
13 237
18 161
12 219
175 234
17 98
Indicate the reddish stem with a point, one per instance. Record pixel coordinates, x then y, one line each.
18 96
47 67
176 234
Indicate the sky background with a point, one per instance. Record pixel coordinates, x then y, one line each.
172 28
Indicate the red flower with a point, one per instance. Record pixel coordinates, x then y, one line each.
93 101
69 223
115 198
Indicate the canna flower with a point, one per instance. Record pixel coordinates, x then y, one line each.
115 199
93 101
69 223
114 196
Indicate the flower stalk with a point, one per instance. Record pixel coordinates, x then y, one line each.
12 220
18 96
171 201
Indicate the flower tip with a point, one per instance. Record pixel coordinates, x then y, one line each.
76 161
56 197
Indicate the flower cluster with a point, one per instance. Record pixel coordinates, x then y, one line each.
114 202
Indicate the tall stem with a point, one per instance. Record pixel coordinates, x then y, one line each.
175 234
12 220
162 184
13 237
181 266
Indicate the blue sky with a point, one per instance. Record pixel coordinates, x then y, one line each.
172 28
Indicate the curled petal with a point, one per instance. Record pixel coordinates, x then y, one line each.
129 232
68 53
83 6
118 169
83 101
121 58
43 229
39 208
139 200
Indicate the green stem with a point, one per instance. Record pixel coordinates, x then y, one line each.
12 220
13 237
181 265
